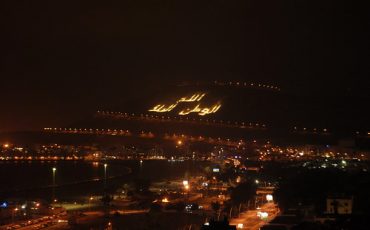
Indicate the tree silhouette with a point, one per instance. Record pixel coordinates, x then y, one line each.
216 207
243 193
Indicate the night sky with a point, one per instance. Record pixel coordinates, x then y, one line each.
62 60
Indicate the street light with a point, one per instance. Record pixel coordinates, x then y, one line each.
186 187
14 213
109 227
54 171
105 176
90 199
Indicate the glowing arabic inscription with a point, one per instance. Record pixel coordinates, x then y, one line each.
162 108
194 97
201 111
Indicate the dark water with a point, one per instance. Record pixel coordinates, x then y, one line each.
78 178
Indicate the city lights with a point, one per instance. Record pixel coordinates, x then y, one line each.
165 200
195 115
263 215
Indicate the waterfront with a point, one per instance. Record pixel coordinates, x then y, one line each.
34 179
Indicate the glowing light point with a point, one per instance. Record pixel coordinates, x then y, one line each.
269 198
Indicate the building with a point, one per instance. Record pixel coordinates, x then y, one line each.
339 205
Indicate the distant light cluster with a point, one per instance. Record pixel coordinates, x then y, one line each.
307 154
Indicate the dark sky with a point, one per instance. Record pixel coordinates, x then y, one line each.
61 60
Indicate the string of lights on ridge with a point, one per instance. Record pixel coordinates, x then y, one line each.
200 121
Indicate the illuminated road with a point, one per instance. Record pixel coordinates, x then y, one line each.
39 226
47 222
129 212
251 221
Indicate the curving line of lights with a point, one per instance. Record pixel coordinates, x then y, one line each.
248 85
180 119
323 131
148 134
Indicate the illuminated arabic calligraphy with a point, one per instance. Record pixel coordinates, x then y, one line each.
163 108
194 97
202 111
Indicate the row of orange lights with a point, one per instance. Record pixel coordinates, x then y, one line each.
245 84
181 119
143 134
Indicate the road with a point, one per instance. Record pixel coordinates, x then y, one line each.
58 226
44 222
250 219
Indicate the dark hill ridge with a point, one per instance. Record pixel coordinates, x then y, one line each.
282 116
343 114
288 117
